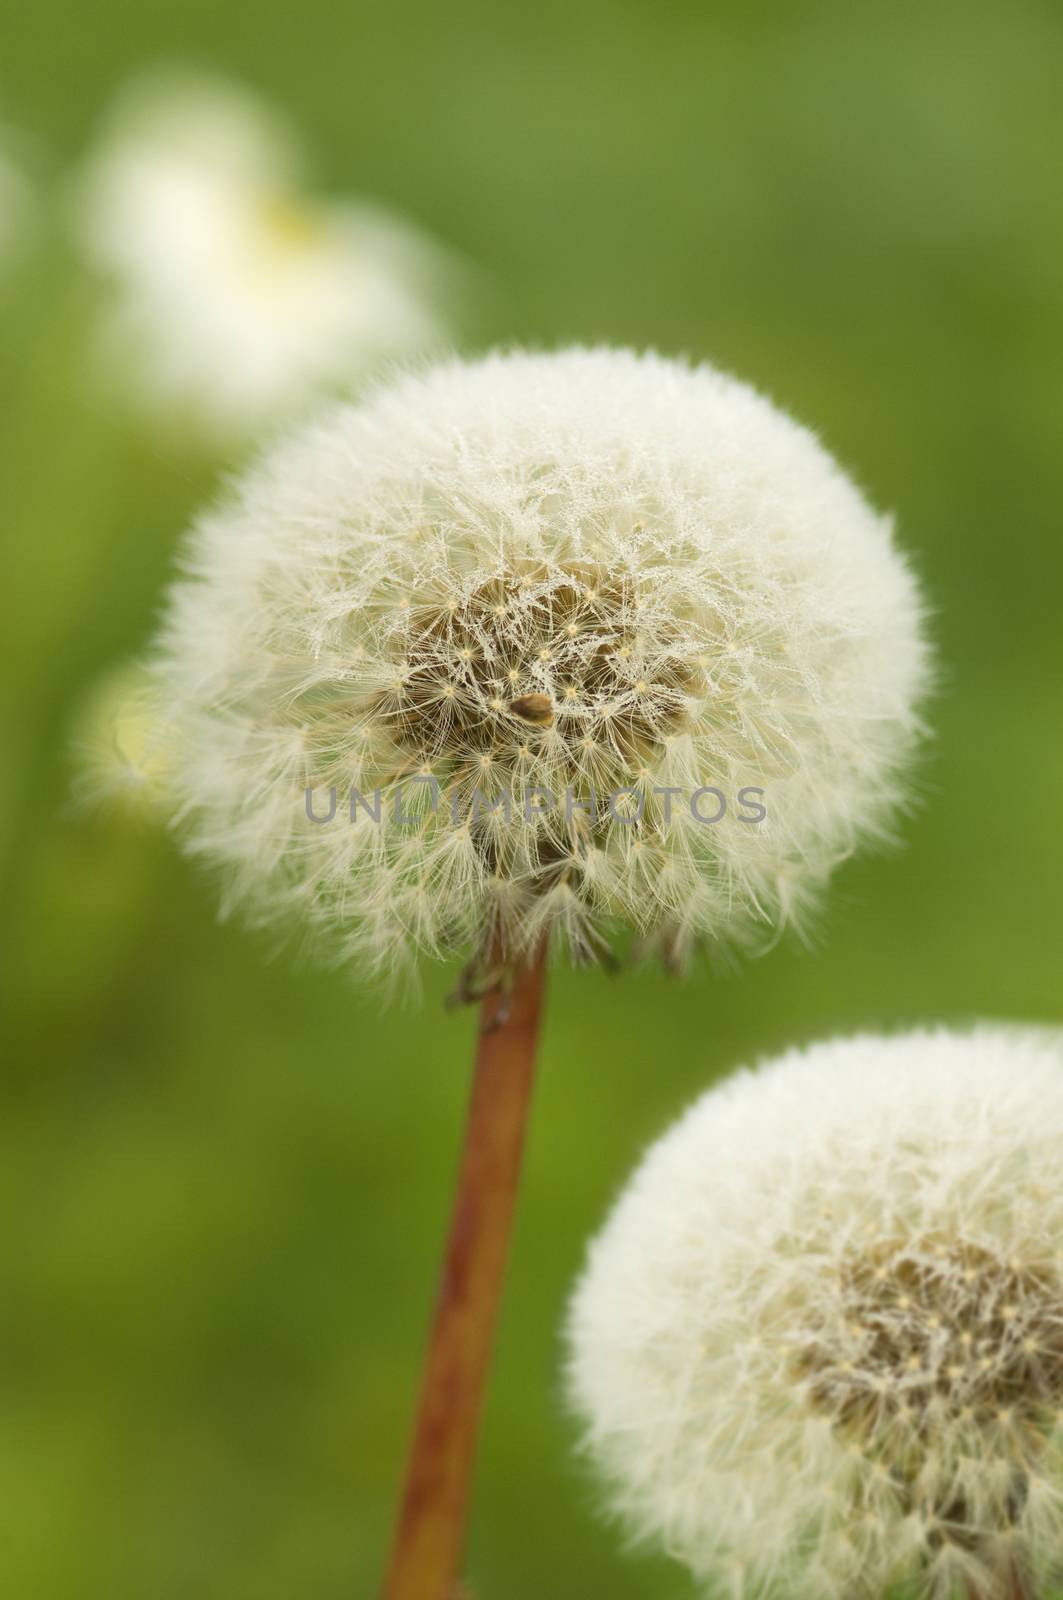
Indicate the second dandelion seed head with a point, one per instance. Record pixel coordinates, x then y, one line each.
819 1344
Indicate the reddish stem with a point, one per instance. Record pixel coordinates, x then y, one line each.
1017 1589
426 1555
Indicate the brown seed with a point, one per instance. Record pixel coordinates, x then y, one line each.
536 708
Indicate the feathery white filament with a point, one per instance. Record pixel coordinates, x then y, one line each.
576 572
818 1345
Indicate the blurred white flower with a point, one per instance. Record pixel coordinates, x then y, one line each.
529 576
123 757
818 1345
236 296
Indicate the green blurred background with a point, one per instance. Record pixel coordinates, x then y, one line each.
224 1173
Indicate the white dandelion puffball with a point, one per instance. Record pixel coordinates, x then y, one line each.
818 1345
235 296
611 641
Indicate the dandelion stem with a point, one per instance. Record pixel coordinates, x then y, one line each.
429 1540
1016 1589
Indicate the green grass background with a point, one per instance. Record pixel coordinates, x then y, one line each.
224 1173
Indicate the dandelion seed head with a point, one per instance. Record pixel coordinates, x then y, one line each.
911 1338
547 550
236 295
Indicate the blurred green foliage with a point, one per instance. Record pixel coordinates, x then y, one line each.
224 1173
